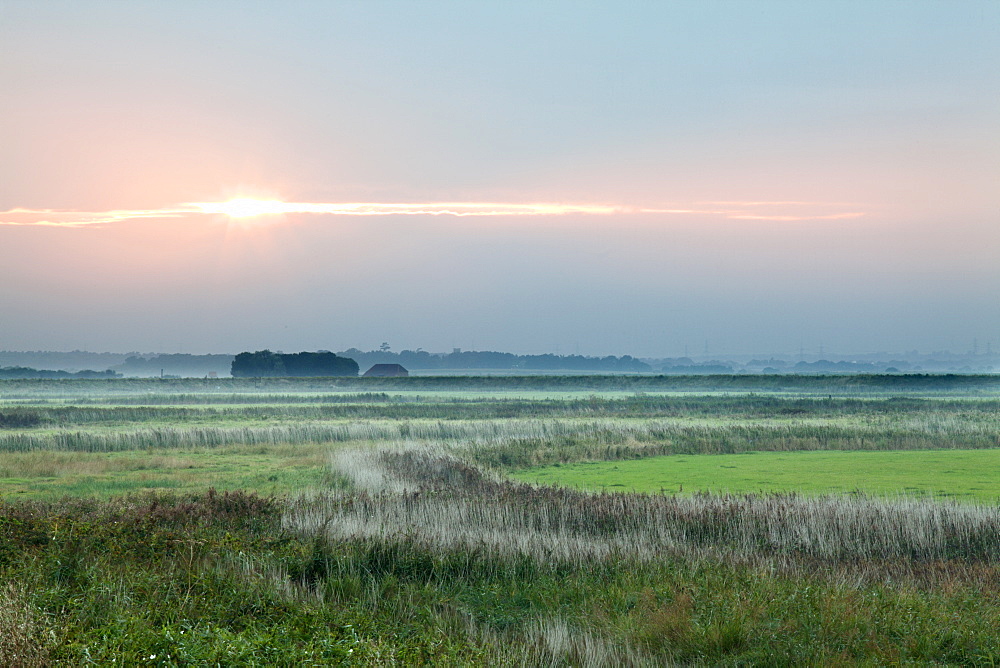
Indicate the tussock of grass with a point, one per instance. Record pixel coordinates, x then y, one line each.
24 640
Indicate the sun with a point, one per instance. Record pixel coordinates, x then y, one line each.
246 207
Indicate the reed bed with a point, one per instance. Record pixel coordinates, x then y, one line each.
155 391
203 398
430 497
186 407
516 441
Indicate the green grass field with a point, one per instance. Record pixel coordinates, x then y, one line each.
266 470
344 522
959 474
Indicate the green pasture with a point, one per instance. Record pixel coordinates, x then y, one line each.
959 474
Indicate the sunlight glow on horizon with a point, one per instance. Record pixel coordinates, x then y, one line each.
244 207
247 207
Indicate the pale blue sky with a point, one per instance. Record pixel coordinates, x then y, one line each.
878 119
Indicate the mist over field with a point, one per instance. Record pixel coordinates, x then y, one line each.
28 364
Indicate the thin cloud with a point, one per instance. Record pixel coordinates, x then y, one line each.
791 218
246 207
57 218
253 208
776 203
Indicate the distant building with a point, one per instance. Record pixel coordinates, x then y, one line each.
386 371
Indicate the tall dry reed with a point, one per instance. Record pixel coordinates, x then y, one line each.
431 498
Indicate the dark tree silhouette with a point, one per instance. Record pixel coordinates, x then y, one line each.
265 363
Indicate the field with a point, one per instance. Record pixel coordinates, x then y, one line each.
960 474
446 520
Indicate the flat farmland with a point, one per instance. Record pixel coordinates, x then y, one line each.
501 521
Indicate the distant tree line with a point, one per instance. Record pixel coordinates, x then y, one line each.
485 359
175 363
696 369
265 363
19 372
47 359
826 366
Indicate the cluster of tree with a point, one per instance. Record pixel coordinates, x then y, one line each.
18 372
265 363
486 359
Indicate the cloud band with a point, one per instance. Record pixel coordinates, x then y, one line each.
245 208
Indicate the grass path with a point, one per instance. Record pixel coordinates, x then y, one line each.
959 474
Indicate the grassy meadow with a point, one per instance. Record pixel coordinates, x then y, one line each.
959 474
633 520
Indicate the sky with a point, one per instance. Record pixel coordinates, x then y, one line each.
644 178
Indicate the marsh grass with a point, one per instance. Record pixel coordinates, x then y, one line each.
55 464
859 384
209 408
19 417
214 579
268 469
513 439
413 548
433 498
25 641
653 579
